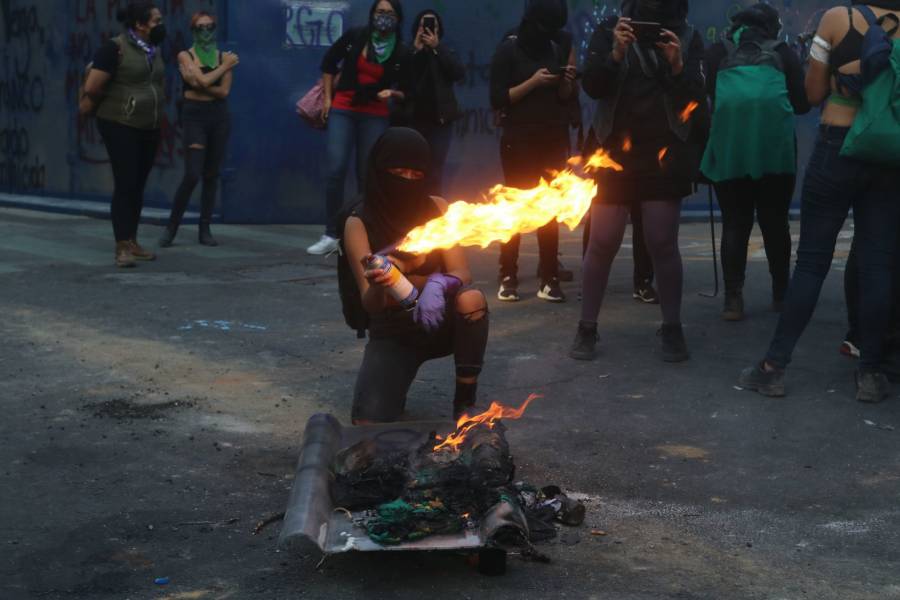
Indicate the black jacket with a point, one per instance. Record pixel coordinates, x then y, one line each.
429 88
343 55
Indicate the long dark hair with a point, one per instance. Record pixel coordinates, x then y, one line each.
398 8
139 11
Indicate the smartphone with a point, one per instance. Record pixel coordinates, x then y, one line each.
561 70
429 23
646 32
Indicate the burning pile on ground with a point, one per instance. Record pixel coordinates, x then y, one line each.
446 486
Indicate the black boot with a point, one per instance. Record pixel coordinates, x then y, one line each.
585 345
168 236
464 399
205 237
734 305
674 348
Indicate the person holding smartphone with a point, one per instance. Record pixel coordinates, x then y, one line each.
643 78
431 102
533 78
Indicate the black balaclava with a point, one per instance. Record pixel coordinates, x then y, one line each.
893 5
540 26
672 14
761 18
393 205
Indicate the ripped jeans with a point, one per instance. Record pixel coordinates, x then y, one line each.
398 347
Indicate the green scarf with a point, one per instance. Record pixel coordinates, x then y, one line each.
206 49
383 47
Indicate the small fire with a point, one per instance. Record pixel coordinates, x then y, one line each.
626 145
508 211
490 417
662 154
688 111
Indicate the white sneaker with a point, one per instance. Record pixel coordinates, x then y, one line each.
325 245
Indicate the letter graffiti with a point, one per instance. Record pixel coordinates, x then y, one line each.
23 95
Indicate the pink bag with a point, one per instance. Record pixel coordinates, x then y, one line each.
311 106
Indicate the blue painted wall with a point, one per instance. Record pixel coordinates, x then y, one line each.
275 164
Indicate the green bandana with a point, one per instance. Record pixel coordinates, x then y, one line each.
736 36
384 47
206 49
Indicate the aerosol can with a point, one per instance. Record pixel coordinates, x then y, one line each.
399 287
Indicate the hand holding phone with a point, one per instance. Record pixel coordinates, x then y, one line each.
647 32
429 23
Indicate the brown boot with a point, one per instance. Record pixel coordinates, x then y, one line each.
124 258
140 253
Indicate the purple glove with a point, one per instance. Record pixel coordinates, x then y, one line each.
429 311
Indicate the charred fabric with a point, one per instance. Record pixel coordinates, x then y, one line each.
408 492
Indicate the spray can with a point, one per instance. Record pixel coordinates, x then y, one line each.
399 287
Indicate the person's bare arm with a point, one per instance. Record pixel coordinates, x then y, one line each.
818 75
196 78
371 288
93 91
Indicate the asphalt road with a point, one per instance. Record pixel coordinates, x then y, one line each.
152 417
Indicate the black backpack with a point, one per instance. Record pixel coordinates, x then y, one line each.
752 54
355 314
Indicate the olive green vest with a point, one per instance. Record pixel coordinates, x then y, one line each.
135 96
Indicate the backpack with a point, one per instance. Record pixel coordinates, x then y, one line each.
752 131
355 314
875 134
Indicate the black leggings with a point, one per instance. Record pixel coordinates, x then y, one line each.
207 126
662 219
398 348
771 198
132 153
524 162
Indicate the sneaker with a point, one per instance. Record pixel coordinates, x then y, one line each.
871 386
139 253
509 289
674 348
849 349
585 345
325 245
551 291
124 258
734 306
646 294
767 383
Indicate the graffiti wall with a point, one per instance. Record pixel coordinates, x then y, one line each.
275 166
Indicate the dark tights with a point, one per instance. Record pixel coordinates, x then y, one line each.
661 222
207 126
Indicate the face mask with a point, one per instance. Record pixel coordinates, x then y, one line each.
384 23
157 35
204 37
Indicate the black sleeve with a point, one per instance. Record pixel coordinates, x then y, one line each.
331 62
451 66
106 58
795 76
690 84
501 75
713 60
600 70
